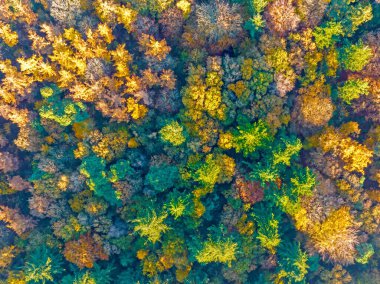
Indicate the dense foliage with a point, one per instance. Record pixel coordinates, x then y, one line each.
186 141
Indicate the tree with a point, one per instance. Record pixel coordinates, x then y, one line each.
264 173
365 252
219 24
93 276
302 183
217 251
42 266
268 229
7 35
283 155
112 144
178 204
248 137
353 89
151 226
281 16
84 252
162 177
157 49
126 16
7 254
215 168
355 56
94 169
256 22
292 262
203 94
19 223
173 133
358 15
63 111
119 170
336 237
314 105
328 34
356 157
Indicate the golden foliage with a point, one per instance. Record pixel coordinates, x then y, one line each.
106 32
154 48
14 83
336 237
184 6
17 10
7 254
111 145
84 252
18 116
37 68
126 16
203 94
19 223
7 35
355 155
316 106
168 79
122 58
135 109
225 140
173 133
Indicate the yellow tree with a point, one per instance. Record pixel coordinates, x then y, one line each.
355 156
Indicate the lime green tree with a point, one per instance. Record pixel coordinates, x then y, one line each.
248 137
353 89
283 155
328 34
355 56
365 253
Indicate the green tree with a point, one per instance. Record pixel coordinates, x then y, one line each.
119 170
94 276
365 252
162 177
358 15
283 155
209 172
42 266
302 182
179 204
264 173
63 111
94 169
248 137
268 228
292 262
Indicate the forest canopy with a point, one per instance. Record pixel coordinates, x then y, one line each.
189 141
